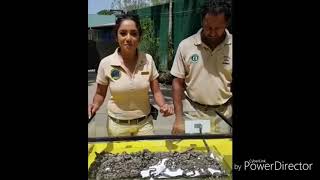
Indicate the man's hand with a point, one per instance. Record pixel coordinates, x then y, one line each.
178 126
166 110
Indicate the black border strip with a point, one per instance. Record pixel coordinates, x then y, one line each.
160 137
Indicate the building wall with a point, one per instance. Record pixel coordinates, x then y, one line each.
101 43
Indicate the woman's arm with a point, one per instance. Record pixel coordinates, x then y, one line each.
98 99
157 94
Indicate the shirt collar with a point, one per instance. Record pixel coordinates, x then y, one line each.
116 58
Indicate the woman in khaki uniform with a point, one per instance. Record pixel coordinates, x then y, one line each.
129 73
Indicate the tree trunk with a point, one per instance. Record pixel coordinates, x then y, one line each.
170 44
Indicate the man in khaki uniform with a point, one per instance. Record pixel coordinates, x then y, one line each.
203 71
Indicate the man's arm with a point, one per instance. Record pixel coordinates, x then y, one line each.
178 88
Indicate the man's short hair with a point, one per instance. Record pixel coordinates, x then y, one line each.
216 7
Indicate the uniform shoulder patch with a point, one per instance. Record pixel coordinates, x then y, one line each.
115 74
194 58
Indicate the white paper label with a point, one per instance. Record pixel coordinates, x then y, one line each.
193 126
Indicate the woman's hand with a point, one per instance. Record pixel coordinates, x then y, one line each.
166 110
92 109
98 99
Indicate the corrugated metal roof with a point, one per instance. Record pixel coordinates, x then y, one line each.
95 20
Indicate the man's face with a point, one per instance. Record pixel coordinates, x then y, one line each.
214 28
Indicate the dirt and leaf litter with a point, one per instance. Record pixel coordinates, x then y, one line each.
157 165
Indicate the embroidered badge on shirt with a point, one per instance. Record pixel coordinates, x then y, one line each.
115 74
194 58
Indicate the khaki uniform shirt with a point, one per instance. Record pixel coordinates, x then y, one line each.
207 73
129 96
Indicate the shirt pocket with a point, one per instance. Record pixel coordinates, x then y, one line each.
225 60
145 72
224 64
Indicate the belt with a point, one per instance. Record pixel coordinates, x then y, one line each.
129 121
208 106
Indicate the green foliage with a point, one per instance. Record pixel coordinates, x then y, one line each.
104 12
128 5
157 2
170 53
149 43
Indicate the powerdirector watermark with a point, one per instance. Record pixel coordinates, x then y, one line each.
263 165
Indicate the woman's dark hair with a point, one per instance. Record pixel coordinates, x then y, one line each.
128 16
216 7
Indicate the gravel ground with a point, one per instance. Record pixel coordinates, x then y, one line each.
109 166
